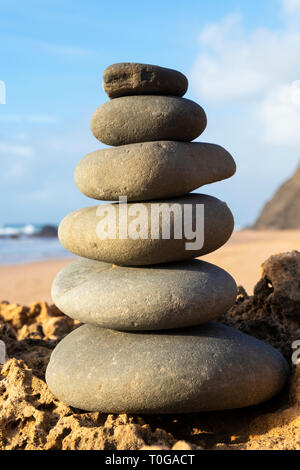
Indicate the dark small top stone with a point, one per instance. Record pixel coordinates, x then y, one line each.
129 78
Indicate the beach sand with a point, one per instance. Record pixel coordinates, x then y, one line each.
241 257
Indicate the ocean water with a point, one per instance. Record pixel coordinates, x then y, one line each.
24 248
10 230
18 246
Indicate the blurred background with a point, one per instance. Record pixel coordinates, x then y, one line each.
242 62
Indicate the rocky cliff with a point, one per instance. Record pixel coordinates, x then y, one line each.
282 212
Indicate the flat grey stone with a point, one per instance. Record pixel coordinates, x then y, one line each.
84 232
157 297
211 367
130 78
2 352
132 119
152 170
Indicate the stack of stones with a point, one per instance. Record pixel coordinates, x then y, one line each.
150 343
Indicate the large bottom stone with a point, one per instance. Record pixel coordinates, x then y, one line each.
211 367
143 298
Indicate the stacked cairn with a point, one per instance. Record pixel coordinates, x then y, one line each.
150 343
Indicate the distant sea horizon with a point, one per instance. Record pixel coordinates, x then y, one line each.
22 229
21 244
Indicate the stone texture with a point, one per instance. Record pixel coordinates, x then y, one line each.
142 79
133 119
82 232
129 298
210 367
152 170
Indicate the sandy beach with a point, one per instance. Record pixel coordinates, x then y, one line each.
241 257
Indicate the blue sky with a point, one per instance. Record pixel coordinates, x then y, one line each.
241 58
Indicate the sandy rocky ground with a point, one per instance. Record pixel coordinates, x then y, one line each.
32 418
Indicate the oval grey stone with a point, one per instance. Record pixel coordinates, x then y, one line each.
211 367
130 78
95 232
136 298
152 170
133 119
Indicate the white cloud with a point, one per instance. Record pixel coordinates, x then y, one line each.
280 111
16 163
234 65
30 118
15 171
291 6
255 69
65 50
16 150
248 81
41 119
225 69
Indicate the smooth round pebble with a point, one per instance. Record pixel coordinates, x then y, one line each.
152 170
130 78
133 119
211 367
152 298
95 232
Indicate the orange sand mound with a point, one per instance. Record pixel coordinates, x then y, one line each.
32 418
